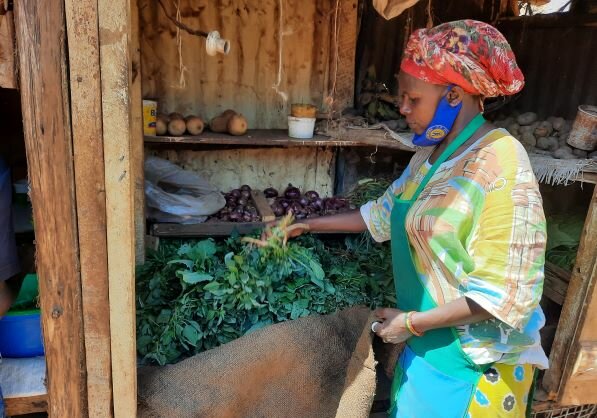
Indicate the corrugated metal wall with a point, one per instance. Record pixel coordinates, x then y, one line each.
558 54
559 60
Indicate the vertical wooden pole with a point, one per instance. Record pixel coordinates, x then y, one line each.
137 135
86 106
116 80
40 32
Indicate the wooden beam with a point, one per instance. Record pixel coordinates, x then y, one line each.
40 32
86 105
556 283
579 388
582 282
116 79
138 148
27 405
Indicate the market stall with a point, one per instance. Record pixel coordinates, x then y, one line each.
133 112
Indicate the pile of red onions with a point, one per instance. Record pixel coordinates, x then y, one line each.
239 207
308 205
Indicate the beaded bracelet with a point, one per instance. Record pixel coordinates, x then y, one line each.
409 325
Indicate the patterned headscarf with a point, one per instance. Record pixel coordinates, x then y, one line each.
466 53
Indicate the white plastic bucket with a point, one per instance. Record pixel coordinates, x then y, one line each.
301 128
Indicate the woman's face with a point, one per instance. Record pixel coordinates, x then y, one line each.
418 101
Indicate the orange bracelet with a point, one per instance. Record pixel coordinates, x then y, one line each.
409 325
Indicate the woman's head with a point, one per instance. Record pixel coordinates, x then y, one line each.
472 57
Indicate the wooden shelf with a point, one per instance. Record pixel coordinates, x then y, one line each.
26 405
280 138
213 229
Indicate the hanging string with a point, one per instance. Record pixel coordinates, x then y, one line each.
332 94
281 35
182 82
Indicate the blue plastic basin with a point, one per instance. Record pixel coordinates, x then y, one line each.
20 334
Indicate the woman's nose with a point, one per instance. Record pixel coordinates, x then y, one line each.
404 108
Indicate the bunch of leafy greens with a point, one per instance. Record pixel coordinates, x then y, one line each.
563 238
196 295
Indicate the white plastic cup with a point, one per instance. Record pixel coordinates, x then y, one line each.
301 128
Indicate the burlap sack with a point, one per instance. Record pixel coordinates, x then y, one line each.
318 366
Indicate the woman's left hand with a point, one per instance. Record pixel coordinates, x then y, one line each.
391 327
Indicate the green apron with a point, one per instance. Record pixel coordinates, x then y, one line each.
434 376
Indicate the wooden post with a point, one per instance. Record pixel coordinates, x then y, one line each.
574 318
86 110
116 78
40 32
569 378
137 135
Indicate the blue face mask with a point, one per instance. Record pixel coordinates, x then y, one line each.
440 125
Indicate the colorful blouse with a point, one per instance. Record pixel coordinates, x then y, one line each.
478 230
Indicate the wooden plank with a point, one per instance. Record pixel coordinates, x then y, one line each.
215 229
280 138
582 284
579 389
28 405
138 148
556 282
344 33
40 32
243 79
8 73
86 105
263 207
116 79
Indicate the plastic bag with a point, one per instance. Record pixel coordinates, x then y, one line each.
176 195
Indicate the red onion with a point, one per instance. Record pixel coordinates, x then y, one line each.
245 187
235 193
245 193
270 192
312 195
292 192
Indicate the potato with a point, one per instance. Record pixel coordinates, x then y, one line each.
543 129
528 139
161 125
566 127
228 113
175 115
177 127
564 153
558 123
219 124
526 130
513 128
194 125
548 143
526 118
579 153
237 125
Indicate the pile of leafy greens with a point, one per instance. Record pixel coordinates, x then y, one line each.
196 295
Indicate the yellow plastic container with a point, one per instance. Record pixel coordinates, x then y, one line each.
150 111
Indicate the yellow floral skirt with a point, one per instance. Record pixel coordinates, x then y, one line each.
503 391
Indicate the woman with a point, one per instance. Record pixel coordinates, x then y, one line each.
467 229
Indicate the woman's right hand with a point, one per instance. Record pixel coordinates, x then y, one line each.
292 231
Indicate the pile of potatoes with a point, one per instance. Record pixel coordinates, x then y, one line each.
175 124
546 137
